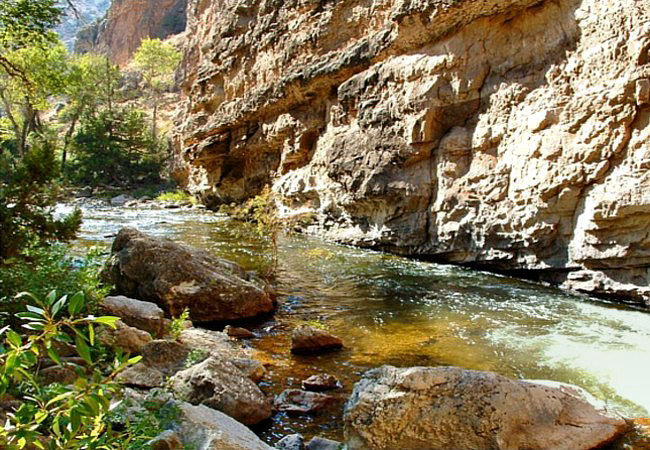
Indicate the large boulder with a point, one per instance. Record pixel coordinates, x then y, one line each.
176 277
220 384
448 407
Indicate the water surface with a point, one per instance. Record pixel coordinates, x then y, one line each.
392 310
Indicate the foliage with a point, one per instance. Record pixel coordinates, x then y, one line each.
157 61
143 421
43 74
177 196
195 356
44 267
28 193
25 22
90 81
70 416
115 147
178 324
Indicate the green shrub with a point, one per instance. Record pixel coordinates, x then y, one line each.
67 416
28 193
42 268
177 196
115 147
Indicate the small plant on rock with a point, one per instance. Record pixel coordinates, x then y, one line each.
178 324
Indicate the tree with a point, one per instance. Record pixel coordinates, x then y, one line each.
28 193
157 60
42 71
89 79
24 23
115 146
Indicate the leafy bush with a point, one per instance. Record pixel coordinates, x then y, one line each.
114 147
28 193
177 196
59 416
42 268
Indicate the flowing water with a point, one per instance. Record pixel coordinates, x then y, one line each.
393 310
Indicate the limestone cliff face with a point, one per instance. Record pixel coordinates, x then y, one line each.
127 22
509 135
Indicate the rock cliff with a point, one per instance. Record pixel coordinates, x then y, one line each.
508 135
127 22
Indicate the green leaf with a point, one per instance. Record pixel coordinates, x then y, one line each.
29 295
30 316
59 305
111 321
36 310
51 298
82 348
54 356
60 397
134 360
34 326
75 420
14 338
2 331
76 303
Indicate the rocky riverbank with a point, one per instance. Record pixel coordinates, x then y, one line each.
214 377
509 136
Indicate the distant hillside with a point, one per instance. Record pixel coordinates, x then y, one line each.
88 11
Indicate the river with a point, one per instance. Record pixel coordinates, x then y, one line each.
393 310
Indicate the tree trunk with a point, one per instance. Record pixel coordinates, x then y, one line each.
66 140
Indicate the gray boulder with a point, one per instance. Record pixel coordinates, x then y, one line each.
146 316
203 427
448 407
219 384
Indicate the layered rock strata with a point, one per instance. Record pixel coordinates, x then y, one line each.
508 135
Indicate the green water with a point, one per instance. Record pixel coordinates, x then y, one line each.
392 310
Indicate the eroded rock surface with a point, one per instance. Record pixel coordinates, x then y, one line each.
448 407
219 384
176 277
509 135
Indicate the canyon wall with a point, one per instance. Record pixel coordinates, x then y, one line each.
127 22
506 135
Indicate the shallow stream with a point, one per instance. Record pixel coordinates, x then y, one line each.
392 310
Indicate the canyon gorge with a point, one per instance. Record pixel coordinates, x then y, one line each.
509 136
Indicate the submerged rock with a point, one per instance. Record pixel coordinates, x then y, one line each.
219 384
302 402
307 340
319 443
291 442
448 407
239 333
176 277
121 200
321 382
